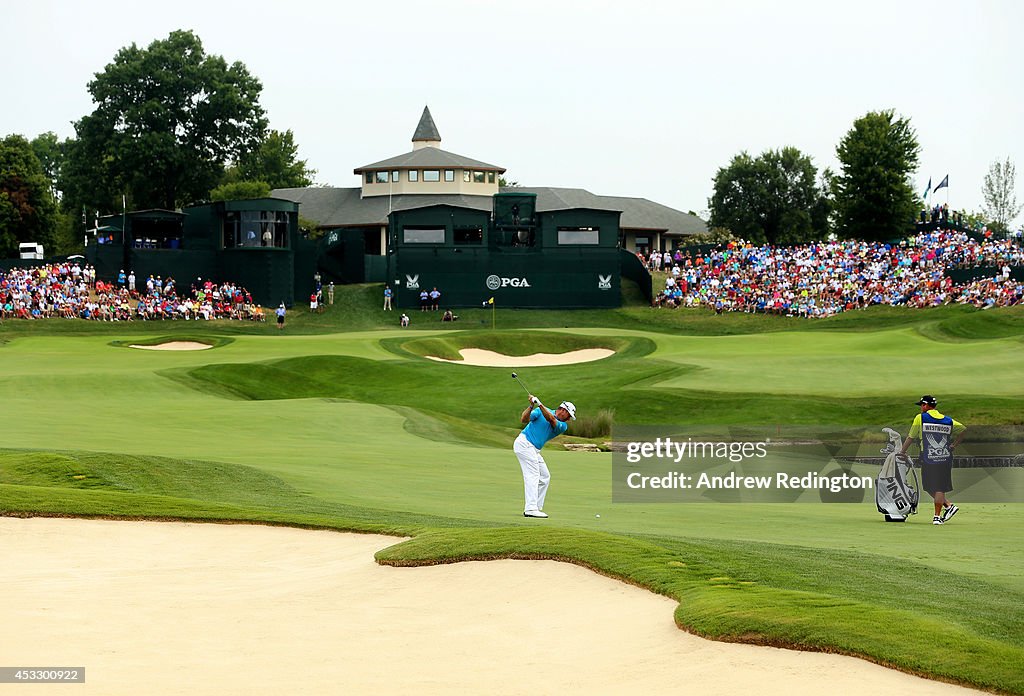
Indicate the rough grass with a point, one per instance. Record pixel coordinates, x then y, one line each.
594 426
107 484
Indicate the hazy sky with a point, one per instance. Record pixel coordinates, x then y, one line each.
637 98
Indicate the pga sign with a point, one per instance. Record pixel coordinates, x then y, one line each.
495 282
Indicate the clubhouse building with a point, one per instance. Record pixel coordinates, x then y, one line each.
433 218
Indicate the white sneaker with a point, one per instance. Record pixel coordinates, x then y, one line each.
535 513
937 520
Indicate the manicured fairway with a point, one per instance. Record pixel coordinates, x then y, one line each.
356 430
880 363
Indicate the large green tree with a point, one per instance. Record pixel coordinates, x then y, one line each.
240 190
168 119
772 198
69 230
28 212
50 152
88 178
873 196
275 160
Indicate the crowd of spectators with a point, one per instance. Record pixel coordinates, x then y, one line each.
809 280
72 291
825 278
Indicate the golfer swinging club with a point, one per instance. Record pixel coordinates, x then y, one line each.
542 424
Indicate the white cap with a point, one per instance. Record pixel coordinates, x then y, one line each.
570 407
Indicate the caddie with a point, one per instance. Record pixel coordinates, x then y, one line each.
939 435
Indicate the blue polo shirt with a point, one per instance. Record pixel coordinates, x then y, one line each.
538 431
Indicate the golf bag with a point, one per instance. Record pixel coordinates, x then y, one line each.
897 489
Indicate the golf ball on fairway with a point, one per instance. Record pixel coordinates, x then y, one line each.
596 515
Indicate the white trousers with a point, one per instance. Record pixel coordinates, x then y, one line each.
536 476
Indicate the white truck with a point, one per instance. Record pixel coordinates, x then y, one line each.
31 250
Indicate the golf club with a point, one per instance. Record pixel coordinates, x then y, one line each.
516 378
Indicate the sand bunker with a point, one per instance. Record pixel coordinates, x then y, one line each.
160 608
488 358
176 345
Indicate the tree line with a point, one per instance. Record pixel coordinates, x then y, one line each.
780 197
172 126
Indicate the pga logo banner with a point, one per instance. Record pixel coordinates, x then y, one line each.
494 282
604 282
412 282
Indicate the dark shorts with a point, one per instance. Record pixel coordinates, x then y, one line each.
280 320
936 477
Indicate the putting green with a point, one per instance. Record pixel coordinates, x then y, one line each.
854 364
